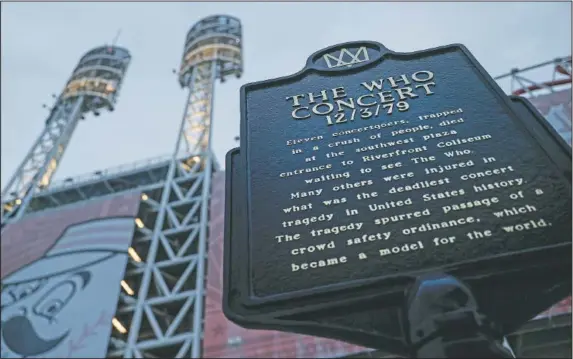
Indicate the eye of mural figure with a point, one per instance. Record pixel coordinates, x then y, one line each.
15 293
55 300
52 308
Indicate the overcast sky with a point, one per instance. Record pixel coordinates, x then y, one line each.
42 42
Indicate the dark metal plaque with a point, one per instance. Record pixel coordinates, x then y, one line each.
369 167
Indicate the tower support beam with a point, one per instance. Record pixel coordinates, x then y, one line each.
178 238
196 124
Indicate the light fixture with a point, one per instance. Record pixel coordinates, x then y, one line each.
185 166
127 288
139 223
144 197
117 325
134 254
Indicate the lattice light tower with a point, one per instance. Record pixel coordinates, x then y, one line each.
163 316
94 86
213 50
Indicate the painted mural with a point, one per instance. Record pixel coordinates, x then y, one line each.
61 272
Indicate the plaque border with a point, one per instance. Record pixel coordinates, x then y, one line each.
249 299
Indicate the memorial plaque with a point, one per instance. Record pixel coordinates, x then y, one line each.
369 167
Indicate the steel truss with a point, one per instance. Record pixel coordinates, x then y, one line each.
166 275
163 309
197 120
41 162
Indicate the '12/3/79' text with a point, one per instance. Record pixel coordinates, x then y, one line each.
384 96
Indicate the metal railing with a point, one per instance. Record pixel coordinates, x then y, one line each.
111 172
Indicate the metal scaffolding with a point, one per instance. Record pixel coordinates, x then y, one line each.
522 85
551 97
164 313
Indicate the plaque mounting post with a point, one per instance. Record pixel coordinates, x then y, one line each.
443 321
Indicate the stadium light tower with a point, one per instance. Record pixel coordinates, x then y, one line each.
94 86
212 50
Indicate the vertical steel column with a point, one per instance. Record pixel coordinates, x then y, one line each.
135 326
202 255
197 123
212 50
